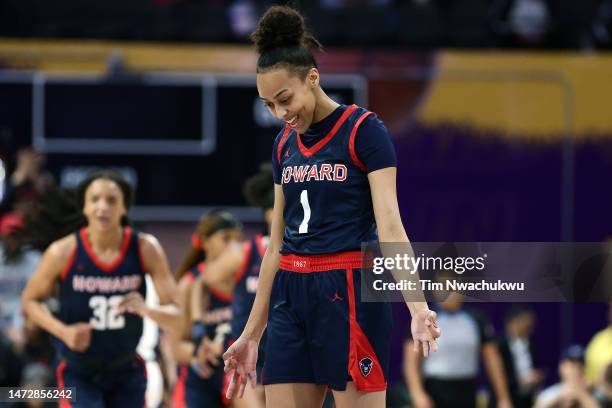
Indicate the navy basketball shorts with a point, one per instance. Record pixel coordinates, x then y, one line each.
124 386
319 331
193 391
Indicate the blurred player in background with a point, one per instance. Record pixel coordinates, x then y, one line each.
240 265
334 172
100 270
148 349
205 314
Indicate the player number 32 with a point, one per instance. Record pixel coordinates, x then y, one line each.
105 312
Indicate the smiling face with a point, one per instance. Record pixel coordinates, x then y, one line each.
104 205
288 97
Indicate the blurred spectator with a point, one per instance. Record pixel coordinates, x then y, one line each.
242 18
599 352
573 390
448 377
22 187
516 349
13 277
336 4
524 22
603 393
11 365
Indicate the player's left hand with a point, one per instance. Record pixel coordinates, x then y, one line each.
425 330
133 303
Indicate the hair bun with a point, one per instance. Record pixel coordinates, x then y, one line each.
281 26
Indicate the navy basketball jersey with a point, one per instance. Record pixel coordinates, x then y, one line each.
216 318
246 283
91 291
328 206
218 312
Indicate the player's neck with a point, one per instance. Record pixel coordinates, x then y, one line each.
105 240
325 106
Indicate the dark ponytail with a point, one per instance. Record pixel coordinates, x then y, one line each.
281 39
52 216
259 188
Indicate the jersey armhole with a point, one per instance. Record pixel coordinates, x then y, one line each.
247 248
66 269
352 152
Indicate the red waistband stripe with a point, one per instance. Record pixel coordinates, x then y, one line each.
321 263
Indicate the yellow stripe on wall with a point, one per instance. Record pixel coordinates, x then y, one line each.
531 94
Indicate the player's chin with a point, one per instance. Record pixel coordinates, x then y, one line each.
105 224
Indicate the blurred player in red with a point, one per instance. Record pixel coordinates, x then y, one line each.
334 171
206 315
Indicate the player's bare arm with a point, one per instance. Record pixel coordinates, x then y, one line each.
76 336
390 229
156 264
245 348
269 265
180 341
221 271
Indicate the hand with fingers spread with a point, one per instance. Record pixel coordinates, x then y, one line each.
77 336
133 303
206 358
240 361
425 331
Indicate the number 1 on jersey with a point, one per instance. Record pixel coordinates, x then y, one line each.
306 206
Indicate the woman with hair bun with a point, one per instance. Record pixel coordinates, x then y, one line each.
334 170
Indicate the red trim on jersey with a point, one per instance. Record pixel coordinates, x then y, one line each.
356 160
360 350
282 142
139 360
226 297
127 235
178 396
143 266
319 145
63 403
247 247
320 263
261 247
69 264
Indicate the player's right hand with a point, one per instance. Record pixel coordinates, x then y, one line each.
77 336
241 361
